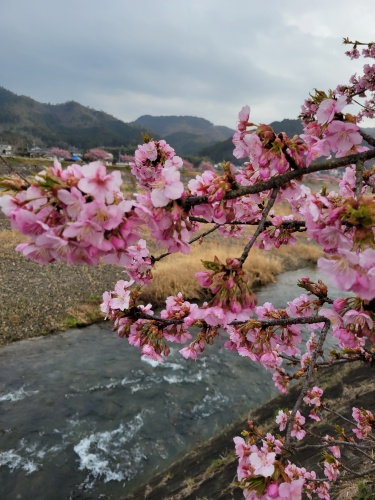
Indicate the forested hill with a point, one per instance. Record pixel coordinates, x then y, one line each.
187 134
24 120
167 125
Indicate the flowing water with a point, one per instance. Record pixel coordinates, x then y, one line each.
83 416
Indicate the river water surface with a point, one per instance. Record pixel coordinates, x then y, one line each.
83 416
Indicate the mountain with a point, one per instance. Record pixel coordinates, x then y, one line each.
188 135
289 126
167 125
24 120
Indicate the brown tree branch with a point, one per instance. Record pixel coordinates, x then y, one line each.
368 138
281 180
297 225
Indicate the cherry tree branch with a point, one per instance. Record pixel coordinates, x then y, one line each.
296 225
264 323
256 323
368 138
280 180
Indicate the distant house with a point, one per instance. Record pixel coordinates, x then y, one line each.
5 149
37 152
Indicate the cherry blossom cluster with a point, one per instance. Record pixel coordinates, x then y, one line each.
214 187
351 324
263 474
361 85
228 285
263 470
365 422
156 168
97 154
269 153
78 215
278 234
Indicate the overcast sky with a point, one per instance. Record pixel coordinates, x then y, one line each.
204 58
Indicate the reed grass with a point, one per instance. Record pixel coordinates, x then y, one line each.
176 273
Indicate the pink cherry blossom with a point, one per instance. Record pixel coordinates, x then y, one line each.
292 490
98 183
328 108
121 301
262 463
342 136
149 352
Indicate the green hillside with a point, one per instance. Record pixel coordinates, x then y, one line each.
167 125
26 121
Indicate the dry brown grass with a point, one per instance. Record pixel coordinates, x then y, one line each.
176 273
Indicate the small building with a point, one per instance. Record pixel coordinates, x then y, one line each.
5 149
37 152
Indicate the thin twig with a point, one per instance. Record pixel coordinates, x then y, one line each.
260 227
216 226
196 238
371 458
351 422
308 376
358 474
12 172
334 443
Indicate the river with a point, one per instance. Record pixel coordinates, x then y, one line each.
83 416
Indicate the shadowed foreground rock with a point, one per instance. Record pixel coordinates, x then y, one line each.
209 471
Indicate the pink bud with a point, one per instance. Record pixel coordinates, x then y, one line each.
273 490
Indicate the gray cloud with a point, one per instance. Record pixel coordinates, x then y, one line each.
203 57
